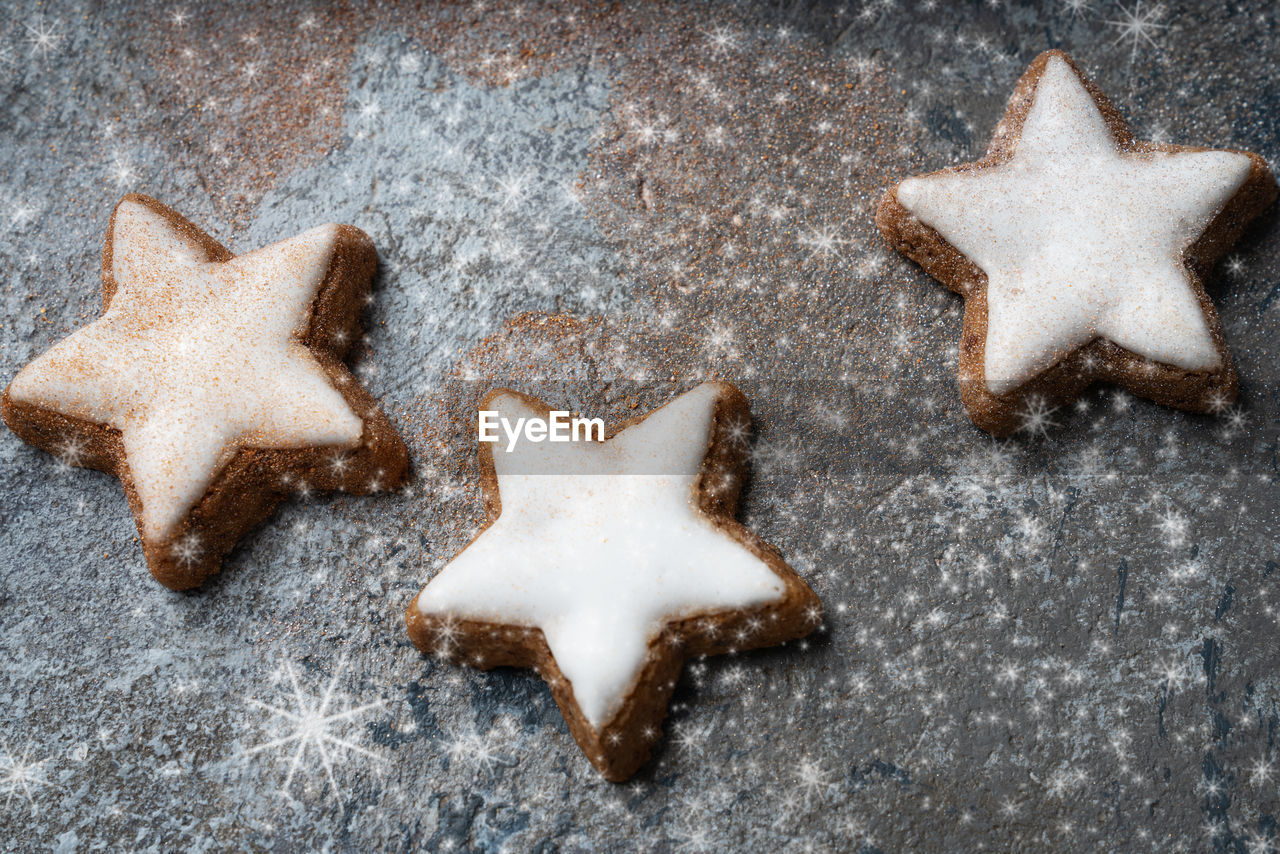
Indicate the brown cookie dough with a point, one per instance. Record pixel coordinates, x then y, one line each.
1047 238
603 565
212 386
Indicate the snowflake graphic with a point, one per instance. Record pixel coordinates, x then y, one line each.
21 776
1076 8
1137 26
313 729
43 37
1037 420
483 751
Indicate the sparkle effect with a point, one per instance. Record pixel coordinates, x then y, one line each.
1016 658
315 731
1138 25
20 776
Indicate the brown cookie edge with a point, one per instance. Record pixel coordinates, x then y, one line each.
626 742
1098 360
255 480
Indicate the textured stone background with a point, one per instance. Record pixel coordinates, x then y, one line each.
1063 641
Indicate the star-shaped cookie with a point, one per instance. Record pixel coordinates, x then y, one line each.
212 385
604 565
1080 253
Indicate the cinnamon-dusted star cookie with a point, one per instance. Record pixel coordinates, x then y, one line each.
1079 252
605 564
213 384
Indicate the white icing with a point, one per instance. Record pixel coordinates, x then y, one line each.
195 359
603 552
1080 241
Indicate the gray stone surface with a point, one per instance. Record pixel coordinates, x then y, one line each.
1063 641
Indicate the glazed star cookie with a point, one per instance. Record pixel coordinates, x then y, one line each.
1080 253
605 564
212 385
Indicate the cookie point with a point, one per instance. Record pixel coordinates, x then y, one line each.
136 199
1057 59
134 202
908 192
